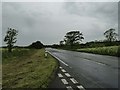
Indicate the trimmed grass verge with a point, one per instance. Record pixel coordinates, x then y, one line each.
27 68
110 50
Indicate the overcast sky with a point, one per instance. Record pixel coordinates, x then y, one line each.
48 22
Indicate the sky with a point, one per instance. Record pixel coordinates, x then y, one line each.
48 22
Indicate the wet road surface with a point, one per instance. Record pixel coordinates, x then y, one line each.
89 70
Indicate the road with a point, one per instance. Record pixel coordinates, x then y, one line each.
89 70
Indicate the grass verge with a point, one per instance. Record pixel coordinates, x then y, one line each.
27 68
110 50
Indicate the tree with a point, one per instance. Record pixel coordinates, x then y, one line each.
111 35
10 38
61 43
73 37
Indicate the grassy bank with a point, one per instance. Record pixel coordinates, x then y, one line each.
110 50
26 68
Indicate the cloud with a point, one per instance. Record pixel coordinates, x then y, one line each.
0 23
105 11
96 17
50 21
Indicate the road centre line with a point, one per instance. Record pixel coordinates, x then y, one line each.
95 62
64 81
58 58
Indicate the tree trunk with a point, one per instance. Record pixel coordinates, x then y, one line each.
10 48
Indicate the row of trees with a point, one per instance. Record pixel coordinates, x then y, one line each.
75 37
71 38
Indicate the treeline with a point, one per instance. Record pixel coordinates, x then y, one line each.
86 45
99 44
34 45
71 40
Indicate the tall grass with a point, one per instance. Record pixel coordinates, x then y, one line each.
27 68
110 50
16 53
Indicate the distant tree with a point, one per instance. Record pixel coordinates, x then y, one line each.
61 43
110 35
73 37
10 38
55 46
36 45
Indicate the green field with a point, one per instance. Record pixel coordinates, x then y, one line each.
110 50
27 68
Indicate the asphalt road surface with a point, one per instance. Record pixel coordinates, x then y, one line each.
84 70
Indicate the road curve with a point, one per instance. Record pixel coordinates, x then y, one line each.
91 70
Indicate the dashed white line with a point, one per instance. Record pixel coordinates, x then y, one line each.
60 75
60 67
64 81
100 63
81 87
63 70
73 80
67 74
69 88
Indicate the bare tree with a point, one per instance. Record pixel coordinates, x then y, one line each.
10 38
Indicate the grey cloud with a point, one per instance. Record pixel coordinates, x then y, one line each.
49 22
101 10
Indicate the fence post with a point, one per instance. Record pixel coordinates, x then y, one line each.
46 54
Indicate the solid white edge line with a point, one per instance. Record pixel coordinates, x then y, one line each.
58 59
64 81
61 61
73 80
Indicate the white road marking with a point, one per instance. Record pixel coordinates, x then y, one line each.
67 74
60 67
100 63
60 75
61 61
63 70
58 59
81 87
73 80
64 81
69 88
95 62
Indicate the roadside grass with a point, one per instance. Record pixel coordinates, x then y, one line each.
110 50
27 68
